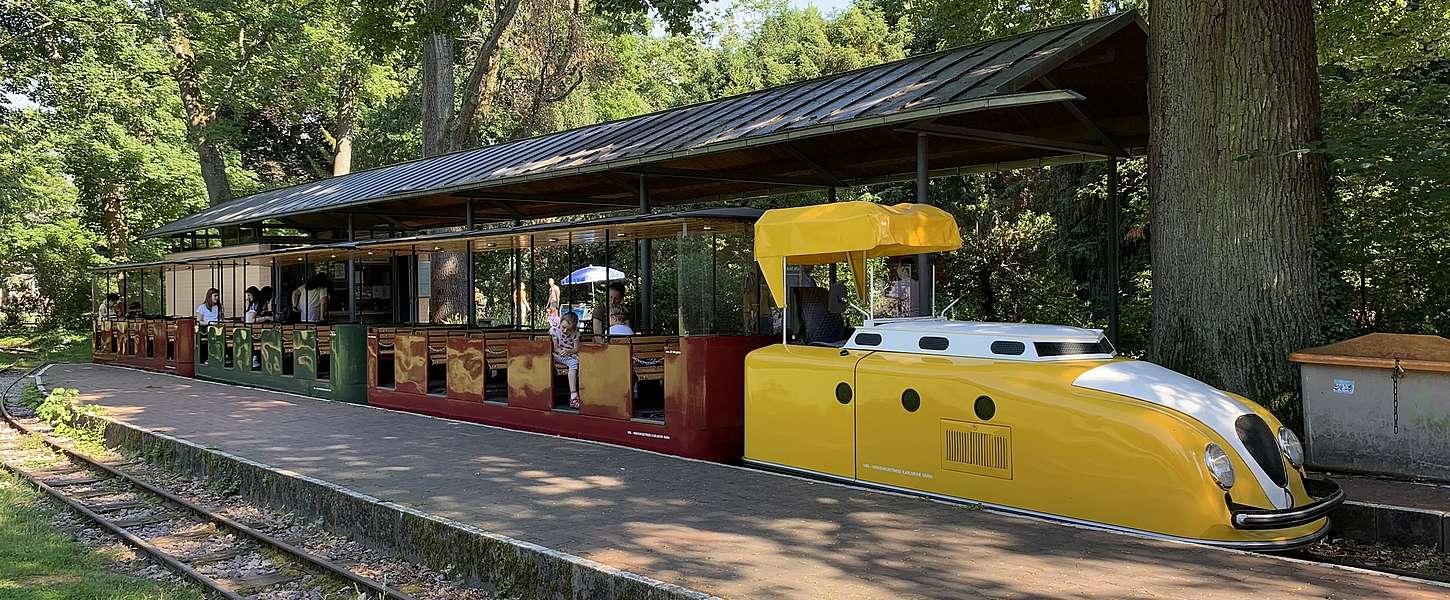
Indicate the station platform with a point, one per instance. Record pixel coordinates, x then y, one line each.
1393 512
718 529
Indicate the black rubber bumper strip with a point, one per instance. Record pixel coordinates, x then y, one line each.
1327 495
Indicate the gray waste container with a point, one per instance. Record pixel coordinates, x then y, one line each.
1378 403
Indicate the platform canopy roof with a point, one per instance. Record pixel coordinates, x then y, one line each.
1066 94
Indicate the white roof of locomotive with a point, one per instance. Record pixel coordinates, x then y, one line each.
972 339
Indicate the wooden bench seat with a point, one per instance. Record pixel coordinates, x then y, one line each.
647 353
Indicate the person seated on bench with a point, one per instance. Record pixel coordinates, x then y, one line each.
566 351
619 322
114 308
210 309
599 320
264 305
252 303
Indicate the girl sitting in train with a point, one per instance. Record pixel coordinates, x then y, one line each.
566 351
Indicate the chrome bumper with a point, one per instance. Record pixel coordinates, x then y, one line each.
1327 495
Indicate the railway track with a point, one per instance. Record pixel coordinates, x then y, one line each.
228 559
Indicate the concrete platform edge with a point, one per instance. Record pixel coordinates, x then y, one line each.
515 568
1392 525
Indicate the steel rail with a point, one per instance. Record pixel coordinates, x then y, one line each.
170 561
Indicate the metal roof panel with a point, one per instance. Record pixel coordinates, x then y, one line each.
845 100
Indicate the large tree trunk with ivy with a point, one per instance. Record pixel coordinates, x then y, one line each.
447 128
1237 193
198 114
348 87
113 216
437 92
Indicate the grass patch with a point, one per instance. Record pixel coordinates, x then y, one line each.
26 349
39 563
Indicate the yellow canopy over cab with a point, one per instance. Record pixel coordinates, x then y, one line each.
849 232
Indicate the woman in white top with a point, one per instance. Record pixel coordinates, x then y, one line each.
311 299
210 309
251 299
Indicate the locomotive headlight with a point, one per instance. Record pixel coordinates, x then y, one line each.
1293 450
1219 465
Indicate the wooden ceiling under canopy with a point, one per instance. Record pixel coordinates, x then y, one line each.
1067 94
622 228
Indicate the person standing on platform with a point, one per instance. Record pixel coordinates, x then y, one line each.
311 299
210 310
554 295
521 304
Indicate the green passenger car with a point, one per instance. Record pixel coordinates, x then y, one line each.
322 361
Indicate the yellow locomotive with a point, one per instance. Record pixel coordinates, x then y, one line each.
1036 419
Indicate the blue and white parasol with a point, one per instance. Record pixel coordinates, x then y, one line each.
592 274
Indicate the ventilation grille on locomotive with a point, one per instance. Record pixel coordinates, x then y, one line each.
977 448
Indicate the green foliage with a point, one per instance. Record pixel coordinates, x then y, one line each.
62 409
784 45
937 24
1385 79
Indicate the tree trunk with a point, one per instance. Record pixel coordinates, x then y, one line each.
482 78
343 131
450 287
437 91
198 115
1236 197
113 220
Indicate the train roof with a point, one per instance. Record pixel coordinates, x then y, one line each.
972 339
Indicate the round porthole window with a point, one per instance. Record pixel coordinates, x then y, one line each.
910 400
985 407
843 393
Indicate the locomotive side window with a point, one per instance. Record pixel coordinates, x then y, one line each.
933 343
1102 346
1008 347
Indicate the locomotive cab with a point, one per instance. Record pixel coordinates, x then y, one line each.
1043 420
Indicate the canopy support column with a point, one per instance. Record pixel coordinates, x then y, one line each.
525 295
468 268
516 316
351 266
606 265
275 274
924 301
831 197
414 299
1115 237
646 268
